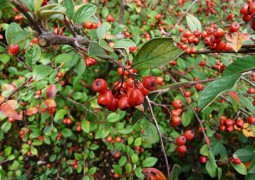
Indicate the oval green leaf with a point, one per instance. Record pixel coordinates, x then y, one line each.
193 23
215 88
84 12
155 53
240 168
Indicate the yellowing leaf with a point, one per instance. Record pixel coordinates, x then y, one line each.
31 111
235 40
248 133
9 111
50 103
153 174
13 103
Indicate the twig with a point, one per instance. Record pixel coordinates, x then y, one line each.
15 91
38 27
248 81
182 16
160 136
69 26
122 11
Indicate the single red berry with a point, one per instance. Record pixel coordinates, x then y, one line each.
149 82
88 25
199 86
13 49
229 122
203 159
237 161
181 149
177 104
113 106
105 99
123 103
251 120
219 33
251 8
99 85
244 9
181 140
135 97
234 27
239 123
176 121
143 89
189 135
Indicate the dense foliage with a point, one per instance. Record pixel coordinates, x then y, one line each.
127 89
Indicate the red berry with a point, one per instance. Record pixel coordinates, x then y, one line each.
244 9
175 121
229 122
237 161
251 8
181 140
105 99
135 97
123 103
13 49
203 159
88 25
239 123
177 104
234 27
189 135
181 149
219 33
149 82
143 89
99 85
199 86
251 120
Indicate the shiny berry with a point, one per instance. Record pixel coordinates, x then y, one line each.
149 82
99 85
13 49
189 135
181 140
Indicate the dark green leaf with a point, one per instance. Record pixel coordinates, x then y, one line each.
85 125
156 53
244 154
11 32
252 166
211 171
117 169
215 88
240 65
41 71
69 5
84 12
67 132
6 126
60 115
193 23
187 117
150 135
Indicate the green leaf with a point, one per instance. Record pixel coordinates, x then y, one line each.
32 55
252 166
122 161
155 53
244 154
60 115
150 135
69 5
212 160
34 151
240 168
80 67
84 12
193 23
219 170
96 50
85 125
215 88
104 45
37 4
124 43
187 117
113 117
176 170
138 141
149 161
11 32
204 150
117 169
67 132
128 168
103 29
211 171
6 126
41 71
240 65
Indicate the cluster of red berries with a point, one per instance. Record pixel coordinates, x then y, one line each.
110 18
67 121
189 38
235 160
248 11
75 164
90 25
176 119
228 124
22 132
126 94
181 141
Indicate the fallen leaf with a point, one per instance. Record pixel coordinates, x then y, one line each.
235 40
9 111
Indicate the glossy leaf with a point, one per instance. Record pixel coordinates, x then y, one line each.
11 31
210 169
69 5
193 23
6 126
84 12
60 115
149 161
85 125
156 53
244 154
41 71
215 88
240 65
176 170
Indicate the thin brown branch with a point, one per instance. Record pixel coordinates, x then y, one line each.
70 27
122 11
160 136
37 26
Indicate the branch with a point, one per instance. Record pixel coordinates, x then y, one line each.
160 136
37 26
122 10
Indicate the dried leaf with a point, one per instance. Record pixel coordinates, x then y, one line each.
140 107
31 111
9 111
50 103
153 174
51 91
235 40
